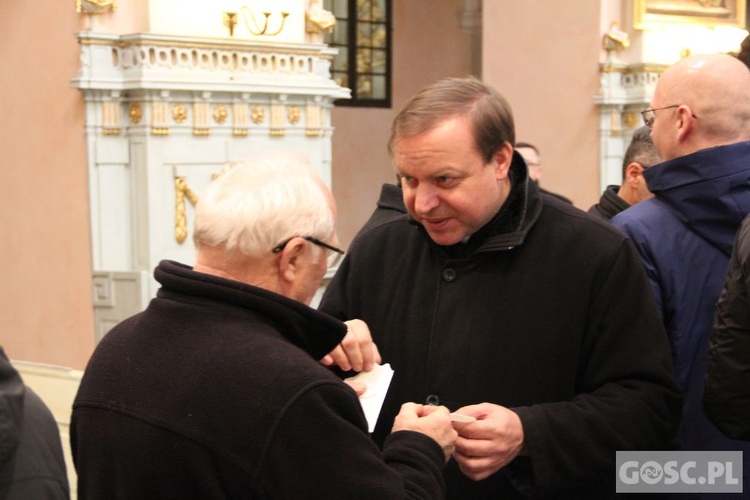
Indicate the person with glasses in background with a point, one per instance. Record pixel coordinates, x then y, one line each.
216 390
700 124
640 155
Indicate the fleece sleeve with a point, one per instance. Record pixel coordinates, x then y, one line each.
320 449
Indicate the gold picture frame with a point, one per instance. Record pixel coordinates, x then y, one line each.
653 13
93 7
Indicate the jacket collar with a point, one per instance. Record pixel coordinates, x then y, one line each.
309 329
709 188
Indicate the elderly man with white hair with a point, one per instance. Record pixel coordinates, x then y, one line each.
216 390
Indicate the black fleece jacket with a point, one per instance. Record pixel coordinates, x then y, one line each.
214 391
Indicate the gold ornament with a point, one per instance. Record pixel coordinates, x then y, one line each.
179 113
136 113
258 115
221 114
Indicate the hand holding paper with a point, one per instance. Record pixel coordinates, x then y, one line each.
377 382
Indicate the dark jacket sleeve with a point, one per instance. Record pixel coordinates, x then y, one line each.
324 433
32 464
625 378
727 397
11 409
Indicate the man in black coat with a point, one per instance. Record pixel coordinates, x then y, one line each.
509 306
727 396
216 390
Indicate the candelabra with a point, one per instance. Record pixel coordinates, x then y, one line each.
256 28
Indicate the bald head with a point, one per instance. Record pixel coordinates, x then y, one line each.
709 105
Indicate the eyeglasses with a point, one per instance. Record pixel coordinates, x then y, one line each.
649 116
334 255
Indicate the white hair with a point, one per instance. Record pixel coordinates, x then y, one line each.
253 206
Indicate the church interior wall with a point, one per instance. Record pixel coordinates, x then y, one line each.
543 57
45 247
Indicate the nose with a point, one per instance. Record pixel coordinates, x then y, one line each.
425 199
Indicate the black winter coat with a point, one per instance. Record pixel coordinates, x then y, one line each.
547 311
727 396
32 465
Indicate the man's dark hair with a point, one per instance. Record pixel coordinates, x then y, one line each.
641 150
744 54
488 112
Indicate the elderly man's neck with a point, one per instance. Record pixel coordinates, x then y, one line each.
235 266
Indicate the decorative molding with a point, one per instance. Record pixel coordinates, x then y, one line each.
146 61
277 120
160 118
623 92
313 120
95 7
111 117
655 14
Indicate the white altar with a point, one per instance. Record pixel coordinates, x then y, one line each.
165 112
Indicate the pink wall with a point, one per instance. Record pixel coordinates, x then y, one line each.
46 313
428 44
543 57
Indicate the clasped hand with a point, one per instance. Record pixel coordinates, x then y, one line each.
490 443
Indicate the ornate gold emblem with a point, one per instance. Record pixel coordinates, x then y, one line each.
294 114
221 114
258 115
136 113
179 113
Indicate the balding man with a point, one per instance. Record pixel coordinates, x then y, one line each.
215 390
700 124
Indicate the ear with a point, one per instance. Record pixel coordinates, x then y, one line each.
290 259
633 173
502 159
686 121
